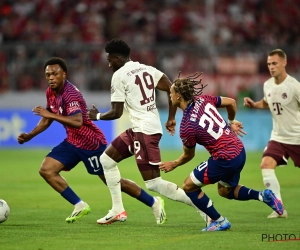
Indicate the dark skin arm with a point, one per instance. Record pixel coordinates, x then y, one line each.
115 112
164 84
187 155
74 121
43 124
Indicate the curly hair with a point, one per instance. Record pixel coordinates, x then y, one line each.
57 60
189 87
117 46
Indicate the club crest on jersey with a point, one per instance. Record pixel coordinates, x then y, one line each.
193 117
112 90
284 96
74 104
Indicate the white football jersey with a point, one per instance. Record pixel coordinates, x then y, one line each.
134 84
284 103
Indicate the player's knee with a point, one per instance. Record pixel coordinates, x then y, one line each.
125 185
107 162
45 173
268 163
186 188
223 192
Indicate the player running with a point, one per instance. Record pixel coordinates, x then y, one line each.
85 142
202 124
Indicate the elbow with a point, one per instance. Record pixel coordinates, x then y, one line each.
78 124
231 104
117 114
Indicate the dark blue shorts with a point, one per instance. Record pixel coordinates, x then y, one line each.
70 156
226 172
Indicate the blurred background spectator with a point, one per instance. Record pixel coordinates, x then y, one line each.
228 40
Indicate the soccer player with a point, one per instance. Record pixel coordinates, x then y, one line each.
282 97
85 141
133 86
202 124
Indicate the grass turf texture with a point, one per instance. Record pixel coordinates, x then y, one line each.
37 219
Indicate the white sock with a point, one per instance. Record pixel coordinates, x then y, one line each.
173 192
113 177
80 204
271 182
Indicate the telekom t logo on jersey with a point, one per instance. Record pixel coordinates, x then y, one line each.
277 107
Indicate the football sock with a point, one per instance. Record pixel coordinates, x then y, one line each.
271 182
244 194
70 196
113 177
171 191
146 198
204 204
168 189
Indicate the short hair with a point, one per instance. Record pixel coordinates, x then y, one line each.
278 52
57 60
117 46
189 87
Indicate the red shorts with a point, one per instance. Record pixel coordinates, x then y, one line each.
144 147
281 152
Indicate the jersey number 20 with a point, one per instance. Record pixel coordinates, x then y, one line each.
212 118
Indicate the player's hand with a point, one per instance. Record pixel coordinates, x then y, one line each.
248 102
92 113
24 137
41 111
167 166
237 128
170 126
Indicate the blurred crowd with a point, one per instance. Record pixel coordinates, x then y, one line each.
172 35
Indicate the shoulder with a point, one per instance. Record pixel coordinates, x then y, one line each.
71 90
293 81
208 98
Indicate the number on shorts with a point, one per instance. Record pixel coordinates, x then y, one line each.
212 118
137 147
95 159
149 83
202 166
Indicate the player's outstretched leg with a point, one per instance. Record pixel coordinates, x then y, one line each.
81 209
218 225
158 209
112 217
270 199
173 192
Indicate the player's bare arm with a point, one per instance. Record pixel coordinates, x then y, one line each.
115 112
230 105
43 124
188 154
164 84
74 121
248 102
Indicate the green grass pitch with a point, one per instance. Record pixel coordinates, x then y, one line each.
37 219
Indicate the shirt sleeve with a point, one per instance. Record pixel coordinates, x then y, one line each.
157 74
297 90
47 101
189 141
117 89
72 104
